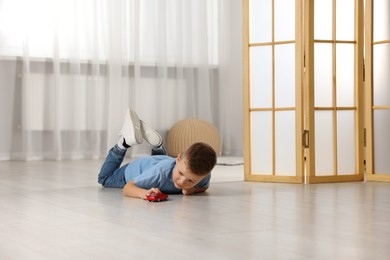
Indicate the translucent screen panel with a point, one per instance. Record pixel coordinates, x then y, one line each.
322 19
381 16
285 75
324 142
322 75
285 143
345 75
381 76
284 20
261 135
346 150
260 13
261 76
345 12
382 141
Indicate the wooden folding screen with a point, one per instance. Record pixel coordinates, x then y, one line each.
303 90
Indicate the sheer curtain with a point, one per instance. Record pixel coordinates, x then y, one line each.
70 68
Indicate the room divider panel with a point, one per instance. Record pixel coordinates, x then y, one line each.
273 70
334 82
303 90
378 90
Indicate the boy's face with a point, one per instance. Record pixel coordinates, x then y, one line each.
182 177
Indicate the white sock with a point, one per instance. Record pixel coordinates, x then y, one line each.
121 143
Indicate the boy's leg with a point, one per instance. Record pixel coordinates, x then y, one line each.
111 174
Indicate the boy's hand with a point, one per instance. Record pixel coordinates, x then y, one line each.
188 192
148 192
131 190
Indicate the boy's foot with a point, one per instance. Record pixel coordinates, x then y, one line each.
131 129
150 136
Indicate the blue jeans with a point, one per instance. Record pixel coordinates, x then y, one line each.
111 174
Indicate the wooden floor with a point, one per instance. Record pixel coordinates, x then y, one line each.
56 210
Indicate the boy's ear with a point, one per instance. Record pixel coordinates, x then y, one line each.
178 158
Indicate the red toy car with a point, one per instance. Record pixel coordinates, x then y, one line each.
157 197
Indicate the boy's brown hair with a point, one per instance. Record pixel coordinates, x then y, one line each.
200 158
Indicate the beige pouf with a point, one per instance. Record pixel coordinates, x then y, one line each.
191 130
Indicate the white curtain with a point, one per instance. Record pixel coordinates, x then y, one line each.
70 68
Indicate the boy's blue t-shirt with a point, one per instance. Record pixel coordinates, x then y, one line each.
156 172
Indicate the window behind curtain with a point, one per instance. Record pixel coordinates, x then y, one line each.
73 28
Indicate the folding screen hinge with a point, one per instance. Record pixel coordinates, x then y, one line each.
364 70
305 139
365 137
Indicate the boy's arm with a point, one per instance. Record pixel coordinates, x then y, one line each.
194 190
131 190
